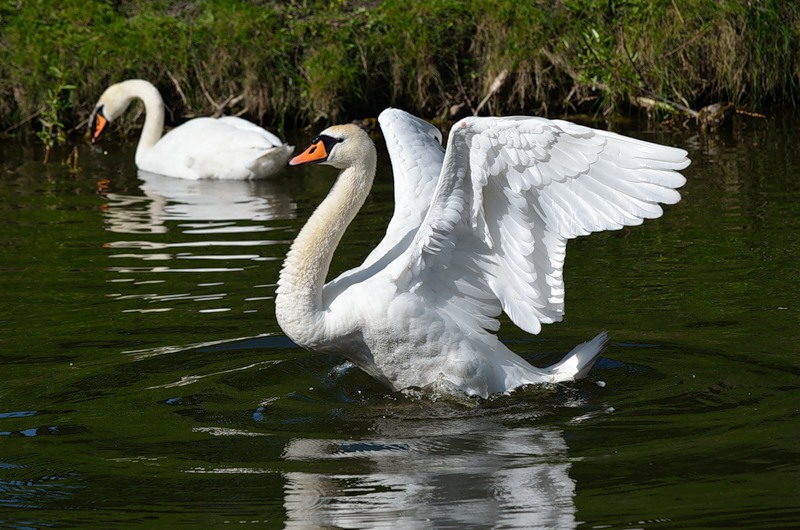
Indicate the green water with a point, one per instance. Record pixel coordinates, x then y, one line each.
146 383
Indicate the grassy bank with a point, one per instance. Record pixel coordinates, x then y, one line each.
300 62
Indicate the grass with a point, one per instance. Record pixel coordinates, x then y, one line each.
300 62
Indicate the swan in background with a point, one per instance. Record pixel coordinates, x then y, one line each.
201 148
478 228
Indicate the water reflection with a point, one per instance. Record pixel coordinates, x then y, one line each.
196 227
214 205
453 473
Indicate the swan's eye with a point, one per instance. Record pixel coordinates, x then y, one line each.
327 140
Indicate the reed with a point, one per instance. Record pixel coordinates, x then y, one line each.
301 62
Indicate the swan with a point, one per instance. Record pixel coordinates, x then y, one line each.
201 148
478 228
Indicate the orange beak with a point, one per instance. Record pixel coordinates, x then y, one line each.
316 152
99 126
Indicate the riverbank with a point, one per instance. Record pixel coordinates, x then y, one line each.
302 62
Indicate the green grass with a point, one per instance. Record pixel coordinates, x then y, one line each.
301 62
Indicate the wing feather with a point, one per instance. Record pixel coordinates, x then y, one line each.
510 193
416 155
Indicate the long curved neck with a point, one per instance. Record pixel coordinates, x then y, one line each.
298 304
153 113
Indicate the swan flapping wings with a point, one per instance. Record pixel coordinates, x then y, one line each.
479 228
509 193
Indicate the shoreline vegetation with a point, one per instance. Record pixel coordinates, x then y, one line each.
300 63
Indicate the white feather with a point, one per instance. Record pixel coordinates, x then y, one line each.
479 228
202 148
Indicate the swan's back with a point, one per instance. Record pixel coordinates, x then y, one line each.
222 148
244 125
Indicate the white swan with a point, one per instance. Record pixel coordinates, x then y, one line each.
220 148
477 229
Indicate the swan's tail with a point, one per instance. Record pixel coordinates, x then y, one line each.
577 363
273 160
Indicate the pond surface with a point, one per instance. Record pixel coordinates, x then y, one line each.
145 381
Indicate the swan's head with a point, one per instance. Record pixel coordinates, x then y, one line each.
112 103
339 146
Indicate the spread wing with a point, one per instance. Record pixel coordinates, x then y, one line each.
416 152
511 192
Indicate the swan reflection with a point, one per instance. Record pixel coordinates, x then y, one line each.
215 205
456 473
210 229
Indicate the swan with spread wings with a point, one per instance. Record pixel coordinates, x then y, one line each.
479 228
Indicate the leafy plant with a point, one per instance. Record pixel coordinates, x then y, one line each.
52 129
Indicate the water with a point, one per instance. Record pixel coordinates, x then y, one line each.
146 383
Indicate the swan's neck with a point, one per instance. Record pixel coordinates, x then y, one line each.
153 113
298 304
